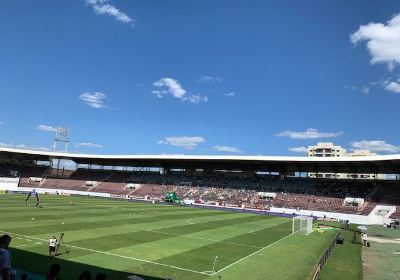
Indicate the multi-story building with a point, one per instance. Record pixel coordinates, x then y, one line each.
328 149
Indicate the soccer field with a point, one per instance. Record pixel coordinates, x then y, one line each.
157 241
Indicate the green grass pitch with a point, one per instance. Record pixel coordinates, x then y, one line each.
157 241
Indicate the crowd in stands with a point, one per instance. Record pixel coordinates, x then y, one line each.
8 171
390 195
80 180
225 189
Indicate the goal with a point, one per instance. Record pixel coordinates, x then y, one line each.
302 225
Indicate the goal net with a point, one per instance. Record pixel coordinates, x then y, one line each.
302 225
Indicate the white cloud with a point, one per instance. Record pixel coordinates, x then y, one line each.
298 149
5 145
310 133
365 90
230 94
102 7
196 98
383 41
227 149
350 87
185 142
393 87
93 99
23 146
208 79
41 148
88 144
377 146
44 127
174 88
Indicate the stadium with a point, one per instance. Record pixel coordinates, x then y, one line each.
195 217
199 140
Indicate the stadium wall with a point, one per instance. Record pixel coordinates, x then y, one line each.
6 182
371 219
10 188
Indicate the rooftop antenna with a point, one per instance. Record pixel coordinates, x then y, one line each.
62 135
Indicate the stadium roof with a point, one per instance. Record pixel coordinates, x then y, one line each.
389 164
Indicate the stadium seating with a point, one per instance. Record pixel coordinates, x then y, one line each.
295 193
28 172
396 215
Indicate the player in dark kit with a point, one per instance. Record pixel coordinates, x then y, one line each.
33 193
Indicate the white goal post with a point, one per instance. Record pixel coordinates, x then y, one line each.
302 225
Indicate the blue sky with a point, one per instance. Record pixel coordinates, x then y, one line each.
200 77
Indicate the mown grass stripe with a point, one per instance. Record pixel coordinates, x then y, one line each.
120 240
112 242
202 238
226 251
94 214
35 230
116 255
252 254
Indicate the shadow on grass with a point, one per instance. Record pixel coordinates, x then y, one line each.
70 270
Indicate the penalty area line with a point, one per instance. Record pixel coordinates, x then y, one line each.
269 226
114 255
252 254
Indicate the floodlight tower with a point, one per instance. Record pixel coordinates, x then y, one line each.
62 135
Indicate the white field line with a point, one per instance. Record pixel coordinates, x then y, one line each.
114 255
202 238
252 254
253 231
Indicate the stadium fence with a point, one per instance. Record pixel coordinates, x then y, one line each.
325 257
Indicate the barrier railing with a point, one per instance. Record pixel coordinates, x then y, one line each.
325 257
241 210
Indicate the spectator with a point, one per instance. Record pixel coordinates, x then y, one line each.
5 257
365 239
54 272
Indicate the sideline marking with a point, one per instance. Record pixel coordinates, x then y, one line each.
114 255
